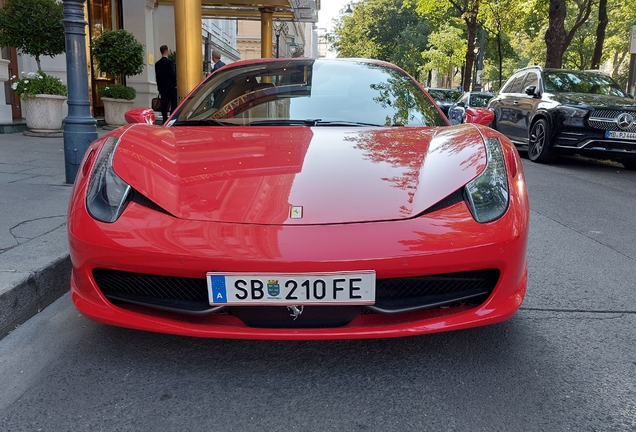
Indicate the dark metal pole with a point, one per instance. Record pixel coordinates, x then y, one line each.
80 128
632 74
277 45
632 62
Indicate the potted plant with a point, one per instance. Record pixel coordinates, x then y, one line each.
34 27
118 53
42 99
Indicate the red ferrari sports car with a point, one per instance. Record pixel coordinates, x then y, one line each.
300 199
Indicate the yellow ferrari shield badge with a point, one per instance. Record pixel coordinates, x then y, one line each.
296 212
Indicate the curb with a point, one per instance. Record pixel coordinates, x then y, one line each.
33 293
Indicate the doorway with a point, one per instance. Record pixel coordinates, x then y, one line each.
103 15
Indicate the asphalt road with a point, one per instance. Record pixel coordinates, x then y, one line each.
565 361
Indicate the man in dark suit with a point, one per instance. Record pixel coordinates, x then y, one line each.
166 74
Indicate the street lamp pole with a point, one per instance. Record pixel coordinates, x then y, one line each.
80 128
278 29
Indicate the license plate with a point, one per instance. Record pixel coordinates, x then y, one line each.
621 135
291 288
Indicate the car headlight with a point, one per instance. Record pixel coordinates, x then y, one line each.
107 192
572 116
488 193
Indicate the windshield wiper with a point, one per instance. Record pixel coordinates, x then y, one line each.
201 122
347 123
285 122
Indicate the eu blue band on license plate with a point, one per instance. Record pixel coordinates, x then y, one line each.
291 288
218 292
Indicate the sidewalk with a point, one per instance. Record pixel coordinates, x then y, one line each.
34 261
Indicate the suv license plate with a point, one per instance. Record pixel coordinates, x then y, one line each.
621 135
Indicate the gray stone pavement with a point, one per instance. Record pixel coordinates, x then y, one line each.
34 260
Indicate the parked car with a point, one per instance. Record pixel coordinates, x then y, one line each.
473 99
300 199
444 98
552 111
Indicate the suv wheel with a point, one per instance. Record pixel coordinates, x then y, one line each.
539 149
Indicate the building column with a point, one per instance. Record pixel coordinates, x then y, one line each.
142 29
188 38
267 14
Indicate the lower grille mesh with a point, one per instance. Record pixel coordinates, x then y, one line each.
392 295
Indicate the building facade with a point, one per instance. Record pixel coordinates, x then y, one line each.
152 22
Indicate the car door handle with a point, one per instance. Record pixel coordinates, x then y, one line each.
515 102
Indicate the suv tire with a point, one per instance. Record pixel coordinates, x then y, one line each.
539 149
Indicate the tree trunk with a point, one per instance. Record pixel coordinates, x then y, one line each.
471 24
500 55
555 36
603 20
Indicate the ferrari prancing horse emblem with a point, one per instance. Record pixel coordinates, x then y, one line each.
296 212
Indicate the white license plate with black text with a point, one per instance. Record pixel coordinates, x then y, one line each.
621 135
291 288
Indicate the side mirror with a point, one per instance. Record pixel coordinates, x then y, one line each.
140 115
480 116
531 90
461 104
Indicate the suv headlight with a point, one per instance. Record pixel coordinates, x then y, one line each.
107 192
572 116
488 193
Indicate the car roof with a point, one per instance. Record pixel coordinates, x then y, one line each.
306 59
543 69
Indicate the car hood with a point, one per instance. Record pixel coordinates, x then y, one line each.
586 100
298 175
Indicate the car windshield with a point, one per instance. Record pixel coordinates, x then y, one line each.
309 92
444 95
581 82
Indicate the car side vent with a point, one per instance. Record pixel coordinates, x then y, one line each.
454 198
140 199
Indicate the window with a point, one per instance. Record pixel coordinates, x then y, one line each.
514 83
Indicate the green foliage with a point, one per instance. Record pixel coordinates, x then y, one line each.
34 27
117 91
119 53
382 29
399 31
34 83
446 51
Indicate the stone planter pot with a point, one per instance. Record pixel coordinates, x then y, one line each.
114 110
43 114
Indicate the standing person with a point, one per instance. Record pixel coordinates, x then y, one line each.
166 75
216 58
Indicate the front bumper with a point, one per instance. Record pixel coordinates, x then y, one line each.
447 241
592 140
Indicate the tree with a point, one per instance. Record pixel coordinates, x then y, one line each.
466 10
603 20
382 29
498 23
557 38
34 27
446 52
119 53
